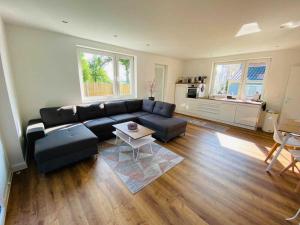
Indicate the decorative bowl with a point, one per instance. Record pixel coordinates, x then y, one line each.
132 126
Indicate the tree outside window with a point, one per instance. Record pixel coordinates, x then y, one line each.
106 75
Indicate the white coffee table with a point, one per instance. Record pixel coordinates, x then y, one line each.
135 139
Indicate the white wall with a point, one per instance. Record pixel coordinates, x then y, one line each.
46 69
4 179
10 125
276 81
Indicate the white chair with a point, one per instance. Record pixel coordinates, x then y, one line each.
296 158
292 143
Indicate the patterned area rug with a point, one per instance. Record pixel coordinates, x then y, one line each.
203 123
137 174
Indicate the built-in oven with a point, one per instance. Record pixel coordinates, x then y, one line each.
193 91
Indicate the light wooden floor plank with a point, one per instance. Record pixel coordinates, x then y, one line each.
222 180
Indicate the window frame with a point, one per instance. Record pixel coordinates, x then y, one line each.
214 76
245 64
131 77
115 57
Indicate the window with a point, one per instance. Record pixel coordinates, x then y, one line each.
241 79
255 79
105 75
228 79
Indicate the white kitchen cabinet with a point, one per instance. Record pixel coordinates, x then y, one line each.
205 108
247 115
180 96
236 113
227 112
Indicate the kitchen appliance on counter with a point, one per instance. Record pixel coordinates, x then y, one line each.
191 80
193 91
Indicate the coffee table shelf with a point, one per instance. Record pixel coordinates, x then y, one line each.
134 143
135 139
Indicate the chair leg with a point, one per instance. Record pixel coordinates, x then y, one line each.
293 166
272 150
289 166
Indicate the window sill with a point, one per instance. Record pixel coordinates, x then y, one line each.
106 99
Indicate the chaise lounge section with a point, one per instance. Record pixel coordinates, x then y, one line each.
68 134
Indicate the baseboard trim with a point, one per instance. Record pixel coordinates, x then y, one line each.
19 166
6 197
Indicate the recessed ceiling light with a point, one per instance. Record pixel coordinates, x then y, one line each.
115 35
290 25
65 21
248 28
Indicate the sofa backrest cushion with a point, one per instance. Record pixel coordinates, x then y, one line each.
92 111
113 108
58 115
148 105
134 105
164 109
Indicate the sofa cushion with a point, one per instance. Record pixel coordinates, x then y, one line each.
113 108
58 115
148 105
140 113
50 130
164 109
124 117
63 142
92 111
161 123
134 105
100 124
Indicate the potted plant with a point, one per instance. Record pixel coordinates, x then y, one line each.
152 89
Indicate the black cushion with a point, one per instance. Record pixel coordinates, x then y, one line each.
58 115
124 117
99 125
50 130
148 105
114 108
164 109
140 113
134 105
63 142
161 123
87 112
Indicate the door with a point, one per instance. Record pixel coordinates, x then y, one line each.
290 108
160 73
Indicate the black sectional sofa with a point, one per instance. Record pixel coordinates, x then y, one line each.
68 134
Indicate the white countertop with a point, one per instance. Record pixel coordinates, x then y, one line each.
232 100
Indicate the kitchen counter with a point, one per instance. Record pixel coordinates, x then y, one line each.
236 112
236 101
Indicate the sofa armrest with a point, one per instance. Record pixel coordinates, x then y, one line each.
34 131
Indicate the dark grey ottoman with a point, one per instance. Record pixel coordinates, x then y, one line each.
165 128
65 146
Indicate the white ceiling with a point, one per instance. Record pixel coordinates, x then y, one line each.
177 28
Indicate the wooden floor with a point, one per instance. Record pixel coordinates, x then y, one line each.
221 181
